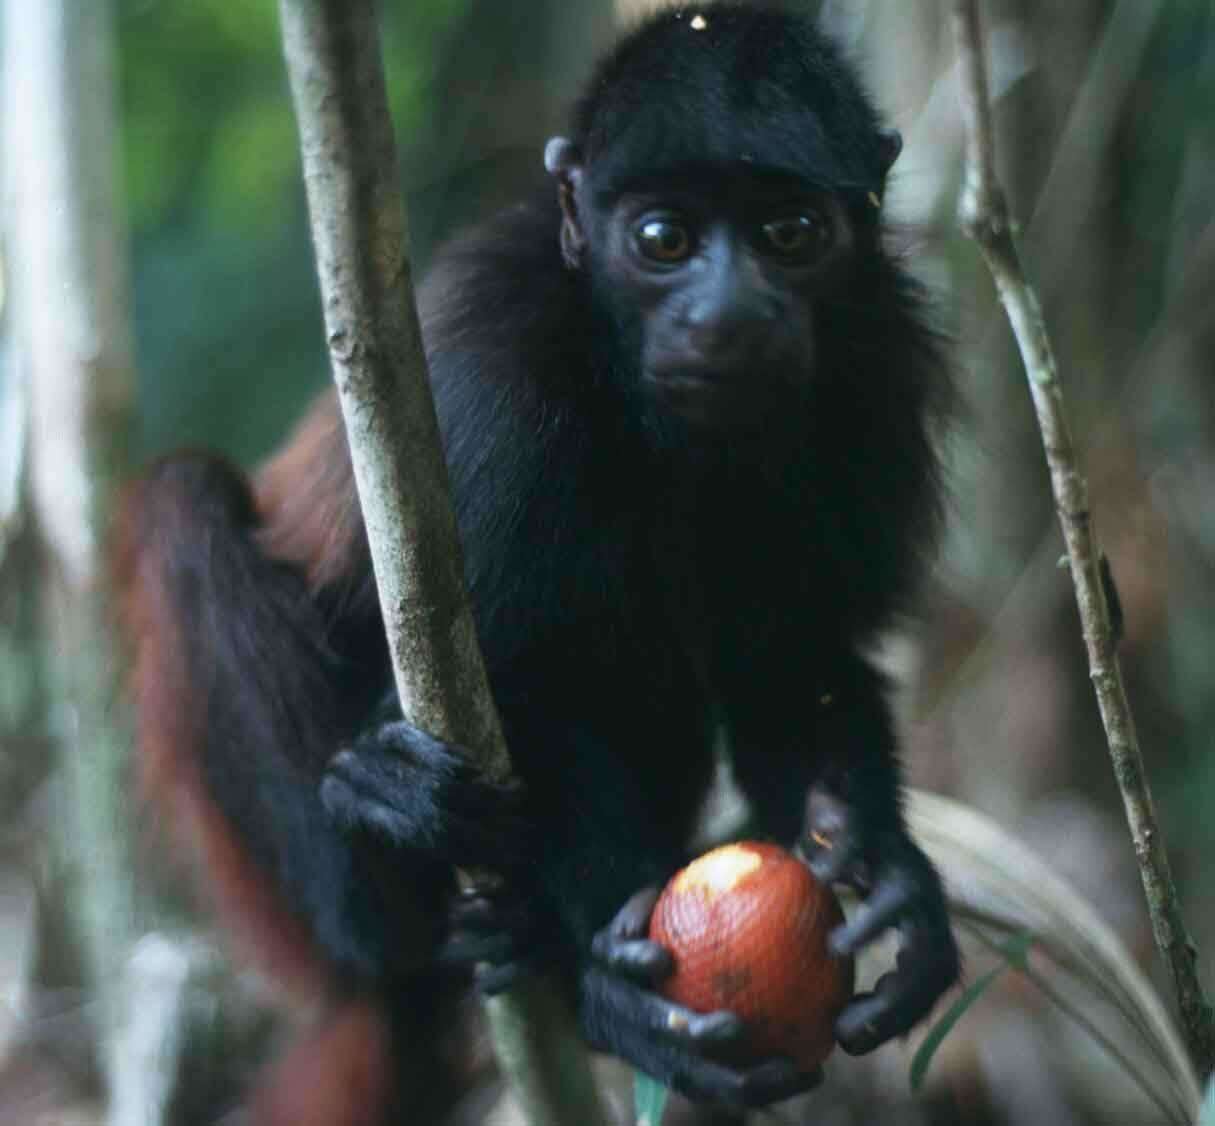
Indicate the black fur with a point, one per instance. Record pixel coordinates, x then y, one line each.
637 582
753 84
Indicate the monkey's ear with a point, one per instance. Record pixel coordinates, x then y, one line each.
890 144
563 162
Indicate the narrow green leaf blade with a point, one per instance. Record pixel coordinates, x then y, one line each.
1014 951
936 1036
649 1100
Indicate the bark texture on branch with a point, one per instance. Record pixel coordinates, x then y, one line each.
375 347
984 217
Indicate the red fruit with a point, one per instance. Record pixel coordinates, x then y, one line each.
748 925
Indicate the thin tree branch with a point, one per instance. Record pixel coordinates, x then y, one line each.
358 232
375 347
984 217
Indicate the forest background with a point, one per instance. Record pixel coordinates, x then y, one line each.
1106 118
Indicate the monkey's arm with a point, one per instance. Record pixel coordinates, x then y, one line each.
842 799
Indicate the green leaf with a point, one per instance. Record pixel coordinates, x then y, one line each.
1206 1116
1014 951
649 1100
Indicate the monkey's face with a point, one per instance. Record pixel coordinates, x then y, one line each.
715 281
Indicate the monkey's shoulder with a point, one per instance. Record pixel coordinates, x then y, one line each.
500 287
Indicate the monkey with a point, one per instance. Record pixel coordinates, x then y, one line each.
687 394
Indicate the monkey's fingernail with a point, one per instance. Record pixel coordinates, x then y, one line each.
822 840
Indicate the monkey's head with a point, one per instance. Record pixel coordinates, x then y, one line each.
721 184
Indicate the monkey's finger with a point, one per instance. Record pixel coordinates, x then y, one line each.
492 980
633 919
464 949
927 966
771 1082
642 1009
703 1029
475 908
889 902
462 842
380 763
486 912
898 1001
354 810
869 1018
358 791
637 958
707 1080
388 786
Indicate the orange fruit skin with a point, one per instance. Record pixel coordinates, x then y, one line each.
756 944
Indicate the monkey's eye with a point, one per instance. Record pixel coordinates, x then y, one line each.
799 237
664 240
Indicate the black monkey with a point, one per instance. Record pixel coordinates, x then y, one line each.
686 397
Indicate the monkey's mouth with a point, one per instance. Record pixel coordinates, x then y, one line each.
700 395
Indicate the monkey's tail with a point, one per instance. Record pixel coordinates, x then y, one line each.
340 1073
417 1054
234 708
239 703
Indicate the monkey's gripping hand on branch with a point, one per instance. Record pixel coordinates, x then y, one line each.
402 785
421 796
900 889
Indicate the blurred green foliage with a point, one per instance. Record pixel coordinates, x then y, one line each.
227 321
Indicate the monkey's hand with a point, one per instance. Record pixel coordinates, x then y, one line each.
901 889
496 932
415 792
620 1013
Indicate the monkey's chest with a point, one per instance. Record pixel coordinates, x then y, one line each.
744 612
